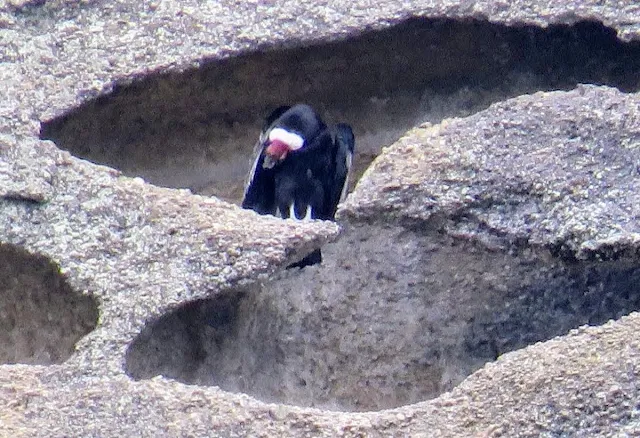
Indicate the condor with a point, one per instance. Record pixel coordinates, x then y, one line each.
301 168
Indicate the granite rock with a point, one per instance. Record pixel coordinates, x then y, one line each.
495 231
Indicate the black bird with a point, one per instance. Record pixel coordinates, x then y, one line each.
301 168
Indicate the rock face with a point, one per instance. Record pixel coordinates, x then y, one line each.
557 169
465 242
196 128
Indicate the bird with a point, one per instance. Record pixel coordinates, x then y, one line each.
301 168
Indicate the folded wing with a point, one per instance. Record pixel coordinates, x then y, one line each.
344 143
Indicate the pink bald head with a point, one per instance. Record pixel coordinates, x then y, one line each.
277 150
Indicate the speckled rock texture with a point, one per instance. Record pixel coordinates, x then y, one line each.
548 180
72 51
552 176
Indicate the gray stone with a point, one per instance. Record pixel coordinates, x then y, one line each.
560 171
466 241
25 173
137 248
582 383
41 317
196 128
456 249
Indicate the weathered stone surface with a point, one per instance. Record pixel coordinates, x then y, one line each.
559 171
518 245
195 129
138 249
72 51
181 126
25 172
583 383
464 241
41 317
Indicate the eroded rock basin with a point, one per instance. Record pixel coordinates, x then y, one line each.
395 315
197 128
41 317
392 317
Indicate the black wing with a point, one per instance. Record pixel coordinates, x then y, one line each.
259 193
344 146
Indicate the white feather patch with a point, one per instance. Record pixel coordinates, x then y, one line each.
294 141
307 217
292 213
